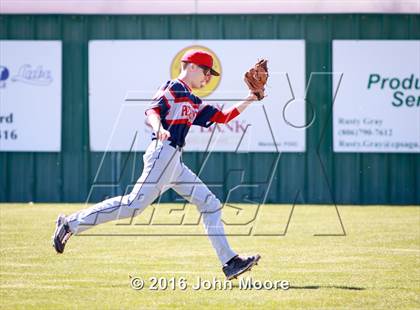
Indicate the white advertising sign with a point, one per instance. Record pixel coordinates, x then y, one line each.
125 74
30 96
377 106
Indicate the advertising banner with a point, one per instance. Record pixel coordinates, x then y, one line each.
30 96
125 74
377 106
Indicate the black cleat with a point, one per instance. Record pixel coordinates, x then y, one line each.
62 234
238 265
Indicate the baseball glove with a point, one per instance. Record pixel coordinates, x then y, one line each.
256 78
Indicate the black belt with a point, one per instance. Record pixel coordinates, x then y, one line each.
172 143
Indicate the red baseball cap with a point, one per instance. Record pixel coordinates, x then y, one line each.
201 58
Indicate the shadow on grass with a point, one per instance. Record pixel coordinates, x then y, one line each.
317 287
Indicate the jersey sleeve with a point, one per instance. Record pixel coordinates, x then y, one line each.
160 105
160 102
205 115
176 92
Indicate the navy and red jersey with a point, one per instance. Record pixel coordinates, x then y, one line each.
179 109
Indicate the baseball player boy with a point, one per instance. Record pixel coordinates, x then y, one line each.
173 110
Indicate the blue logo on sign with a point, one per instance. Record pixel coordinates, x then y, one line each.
4 75
33 75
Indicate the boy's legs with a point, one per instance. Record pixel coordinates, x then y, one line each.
160 162
195 191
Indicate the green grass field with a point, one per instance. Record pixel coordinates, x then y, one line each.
375 266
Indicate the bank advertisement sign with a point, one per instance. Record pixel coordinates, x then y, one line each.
377 106
30 96
125 74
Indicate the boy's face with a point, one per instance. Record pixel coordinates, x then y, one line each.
200 76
